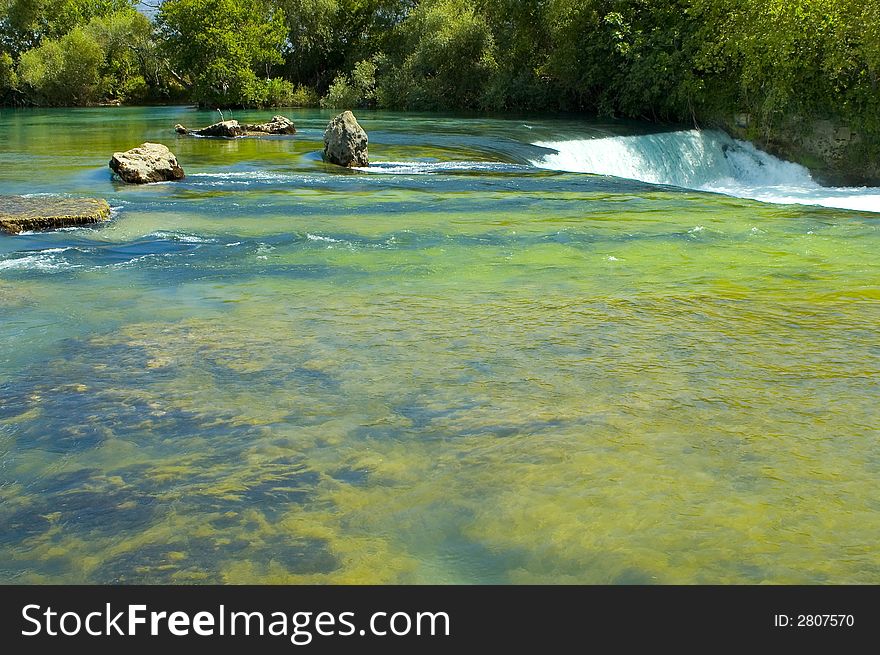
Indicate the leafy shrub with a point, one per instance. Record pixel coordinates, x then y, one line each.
134 89
8 78
304 96
355 90
444 58
63 71
221 44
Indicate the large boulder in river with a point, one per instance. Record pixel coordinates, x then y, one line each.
278 125
20 214
149 162
345 142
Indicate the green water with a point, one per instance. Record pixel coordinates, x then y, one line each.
467 372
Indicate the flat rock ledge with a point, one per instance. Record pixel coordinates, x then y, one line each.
33 213
233 129
149 162
346 143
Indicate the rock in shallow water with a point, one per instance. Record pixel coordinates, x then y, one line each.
19 214
223 129
345 142
232 129
278 125
149 162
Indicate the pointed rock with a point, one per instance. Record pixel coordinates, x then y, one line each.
345 142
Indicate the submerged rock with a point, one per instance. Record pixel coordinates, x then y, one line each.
232 129
149 162
18 214
345 142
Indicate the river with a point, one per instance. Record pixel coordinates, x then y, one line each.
473 363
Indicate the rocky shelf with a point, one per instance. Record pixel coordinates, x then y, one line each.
232 129
19 213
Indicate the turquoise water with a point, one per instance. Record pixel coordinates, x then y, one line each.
460 366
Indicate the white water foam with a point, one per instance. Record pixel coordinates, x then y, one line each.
704 160
429 167
41 261
240 178
318 237
180 236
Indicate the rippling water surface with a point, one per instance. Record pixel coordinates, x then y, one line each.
458 366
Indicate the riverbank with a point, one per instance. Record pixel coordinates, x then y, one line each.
806 74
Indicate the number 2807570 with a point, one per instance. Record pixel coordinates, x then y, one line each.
814 621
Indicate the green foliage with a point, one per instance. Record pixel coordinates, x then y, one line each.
341 94
132 68
133 89
326 37
630 57
521 34
119 58
304 96
8 79
25 23
274 92
798 58
444 57
225 47
356 90
279 93
63 71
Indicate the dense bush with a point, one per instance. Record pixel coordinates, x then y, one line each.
304 96
443 56
25 23
778 59
355 90
225 48
63 71
110 56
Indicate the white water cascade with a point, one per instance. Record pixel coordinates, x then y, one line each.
704 160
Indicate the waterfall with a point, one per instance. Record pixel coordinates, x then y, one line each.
704 160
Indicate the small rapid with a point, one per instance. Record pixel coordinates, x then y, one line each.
704 160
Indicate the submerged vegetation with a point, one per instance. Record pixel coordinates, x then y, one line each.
780 63
456 368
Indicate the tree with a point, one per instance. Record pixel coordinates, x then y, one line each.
8 79
355 90
226 48
25 23
327 37
522 38
63 71
444 58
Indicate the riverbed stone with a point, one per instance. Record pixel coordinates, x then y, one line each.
149 162
20 214
345 142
